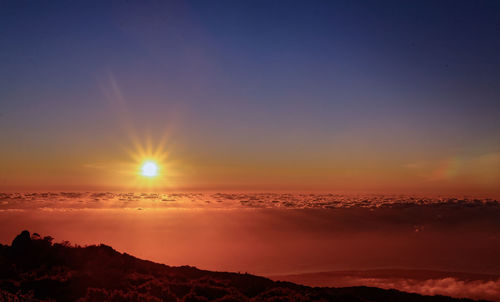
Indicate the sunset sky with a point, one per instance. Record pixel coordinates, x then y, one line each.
262 95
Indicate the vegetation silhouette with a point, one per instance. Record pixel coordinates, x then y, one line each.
33 268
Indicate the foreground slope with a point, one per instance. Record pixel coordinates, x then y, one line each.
34 269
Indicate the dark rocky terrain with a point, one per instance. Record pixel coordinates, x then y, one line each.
33 268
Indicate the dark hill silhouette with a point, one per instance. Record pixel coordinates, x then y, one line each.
35 269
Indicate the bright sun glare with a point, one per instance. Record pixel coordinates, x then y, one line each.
149 169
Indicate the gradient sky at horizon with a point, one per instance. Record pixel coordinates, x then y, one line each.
260 95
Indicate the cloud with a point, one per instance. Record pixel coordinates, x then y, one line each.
458 285
79 200
475 289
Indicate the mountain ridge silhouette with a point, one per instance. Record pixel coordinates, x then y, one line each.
33 268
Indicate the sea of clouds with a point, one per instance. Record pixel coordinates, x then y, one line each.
82 200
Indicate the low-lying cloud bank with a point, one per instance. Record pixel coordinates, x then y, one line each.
486 288
476 289
84 200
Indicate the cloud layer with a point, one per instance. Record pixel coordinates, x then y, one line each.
458 285
83 200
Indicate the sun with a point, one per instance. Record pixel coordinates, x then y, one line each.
149 169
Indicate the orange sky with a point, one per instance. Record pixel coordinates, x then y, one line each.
118 169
